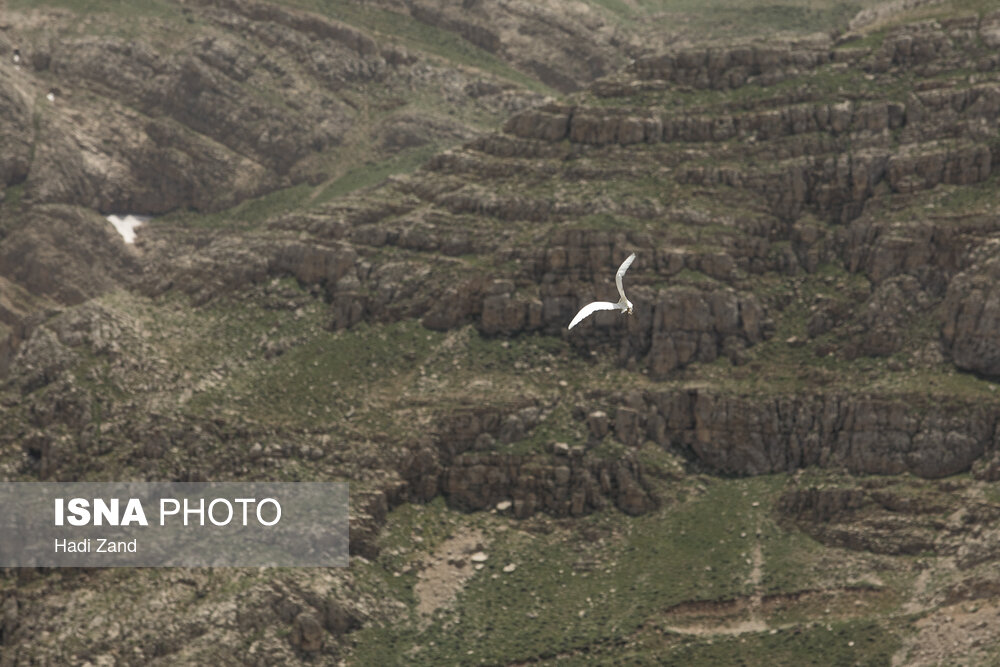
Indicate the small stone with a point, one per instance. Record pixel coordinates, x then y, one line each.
503 505
510 567
795 341
479 557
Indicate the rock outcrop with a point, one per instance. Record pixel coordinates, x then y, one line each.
887 518
568 487
65 254
743 435
971 330
462 464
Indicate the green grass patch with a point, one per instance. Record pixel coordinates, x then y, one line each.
979 197
12 196
571 594
718 19
323 374
373 173
558 426
619 8
163 21
248 214
780 17
854 642
119 8
492 353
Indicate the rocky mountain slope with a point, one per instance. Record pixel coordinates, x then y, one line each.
786 454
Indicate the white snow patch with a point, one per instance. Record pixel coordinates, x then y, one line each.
126 225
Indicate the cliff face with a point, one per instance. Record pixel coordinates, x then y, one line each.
813 347
748 435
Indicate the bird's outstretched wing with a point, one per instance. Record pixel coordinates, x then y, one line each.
590 308
621 272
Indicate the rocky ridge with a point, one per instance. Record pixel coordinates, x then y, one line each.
815 248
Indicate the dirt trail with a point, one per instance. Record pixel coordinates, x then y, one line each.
445 572
755 580
915 604
753 607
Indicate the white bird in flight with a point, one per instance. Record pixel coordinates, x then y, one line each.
623 303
